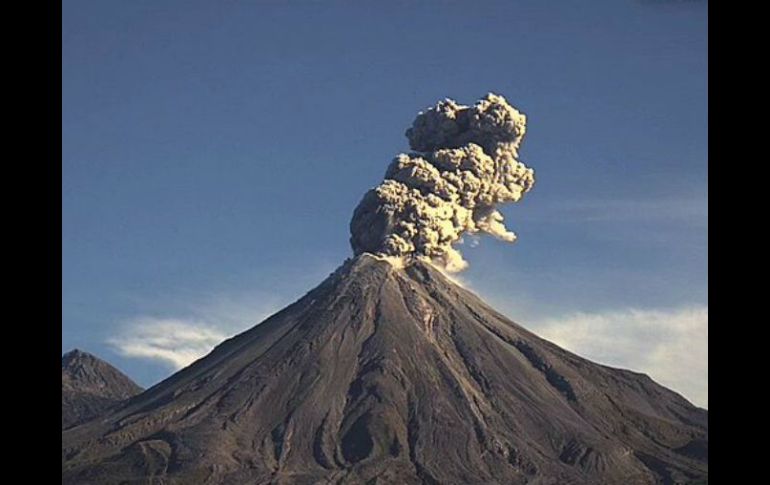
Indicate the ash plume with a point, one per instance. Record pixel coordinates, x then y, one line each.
464 164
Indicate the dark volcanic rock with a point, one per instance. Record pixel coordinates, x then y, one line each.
89 387
385 375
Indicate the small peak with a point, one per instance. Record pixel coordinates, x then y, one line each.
77 355
73 354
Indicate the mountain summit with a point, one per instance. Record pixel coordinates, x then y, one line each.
389 374
90 386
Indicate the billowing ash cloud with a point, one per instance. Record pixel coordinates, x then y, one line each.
465 164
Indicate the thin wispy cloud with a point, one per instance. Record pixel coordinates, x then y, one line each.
175 343
671 346
189 331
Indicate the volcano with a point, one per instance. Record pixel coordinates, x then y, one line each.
393 374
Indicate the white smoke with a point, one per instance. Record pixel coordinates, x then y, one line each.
465 164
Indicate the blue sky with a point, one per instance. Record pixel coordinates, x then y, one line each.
213 153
